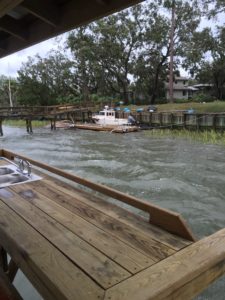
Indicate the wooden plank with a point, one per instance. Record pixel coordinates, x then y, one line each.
119 213
54 275
46 10
163 218
7 290
99 267
7 5
184 274
12 270
113 210
126 256
133 237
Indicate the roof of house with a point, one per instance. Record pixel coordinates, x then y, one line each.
26 22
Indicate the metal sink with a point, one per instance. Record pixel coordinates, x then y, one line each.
5 171
10 175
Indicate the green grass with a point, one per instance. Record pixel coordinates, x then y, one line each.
205 137
214 107
22 123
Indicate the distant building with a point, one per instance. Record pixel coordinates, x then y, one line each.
181 90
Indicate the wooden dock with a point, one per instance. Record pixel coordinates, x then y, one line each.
80 114
72 244
110 128
53 114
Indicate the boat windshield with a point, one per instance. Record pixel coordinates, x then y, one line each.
101 113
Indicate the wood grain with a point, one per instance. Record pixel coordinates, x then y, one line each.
181 276
53 274
133 237
117 212
102 269
163 218
126 256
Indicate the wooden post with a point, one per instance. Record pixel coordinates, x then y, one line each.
160 119
197 122
51 125
214 122
1 130
185 121
30 125
171 120
150 119
12 270
3 259
54 124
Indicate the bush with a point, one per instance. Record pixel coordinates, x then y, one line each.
203 98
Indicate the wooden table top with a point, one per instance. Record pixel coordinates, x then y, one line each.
72 244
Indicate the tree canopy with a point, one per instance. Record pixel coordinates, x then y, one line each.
126 55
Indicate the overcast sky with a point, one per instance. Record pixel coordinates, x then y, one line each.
11 64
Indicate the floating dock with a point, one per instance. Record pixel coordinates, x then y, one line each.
73 244
113 129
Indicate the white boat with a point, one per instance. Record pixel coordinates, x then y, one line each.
107 116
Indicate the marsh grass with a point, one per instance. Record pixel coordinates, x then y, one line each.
22 123
205 137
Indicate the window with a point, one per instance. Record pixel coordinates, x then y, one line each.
184 93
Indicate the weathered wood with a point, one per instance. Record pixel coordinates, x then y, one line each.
12 270
102 269
7 290
52 273
126 256
181 276
114 211
135 238
163 218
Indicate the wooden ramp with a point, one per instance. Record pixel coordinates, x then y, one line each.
72 244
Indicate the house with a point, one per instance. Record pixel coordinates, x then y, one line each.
181 90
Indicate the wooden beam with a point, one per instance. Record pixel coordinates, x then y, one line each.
166 219
8 5
12 270
7 290
181 276
44 10
13 27
3 259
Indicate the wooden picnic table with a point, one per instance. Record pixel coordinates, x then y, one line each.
73 244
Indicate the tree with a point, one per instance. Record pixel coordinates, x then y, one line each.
46 81
153 59
105 52
213 71
6 85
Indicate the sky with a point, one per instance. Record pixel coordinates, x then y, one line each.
9 65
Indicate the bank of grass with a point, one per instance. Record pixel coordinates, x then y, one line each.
205 137
22 123
213 107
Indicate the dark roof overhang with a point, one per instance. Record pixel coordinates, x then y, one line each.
26 22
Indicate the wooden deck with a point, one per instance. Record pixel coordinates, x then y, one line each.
110 128
72 244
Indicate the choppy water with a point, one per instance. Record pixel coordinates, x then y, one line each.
183 176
